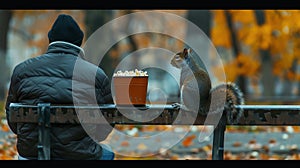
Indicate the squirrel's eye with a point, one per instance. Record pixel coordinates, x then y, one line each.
178 58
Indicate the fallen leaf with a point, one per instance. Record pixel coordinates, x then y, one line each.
253 141
142 146
125 143
237 144
4 128
272 141
228 155
264 156
206 149
174 157
188 141
265 148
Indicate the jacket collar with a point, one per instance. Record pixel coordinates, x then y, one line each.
59 46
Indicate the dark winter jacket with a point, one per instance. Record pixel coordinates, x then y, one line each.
49 78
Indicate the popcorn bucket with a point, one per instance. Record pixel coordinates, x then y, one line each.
130 90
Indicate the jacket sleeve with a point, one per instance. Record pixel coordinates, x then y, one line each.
10 99
104 96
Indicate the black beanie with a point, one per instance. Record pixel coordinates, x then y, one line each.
66 29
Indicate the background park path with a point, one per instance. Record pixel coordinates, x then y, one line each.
238 146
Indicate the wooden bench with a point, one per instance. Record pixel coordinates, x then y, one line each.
46 114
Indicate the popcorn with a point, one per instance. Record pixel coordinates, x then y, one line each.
136 72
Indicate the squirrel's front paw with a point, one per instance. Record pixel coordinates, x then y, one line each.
180 106
176 105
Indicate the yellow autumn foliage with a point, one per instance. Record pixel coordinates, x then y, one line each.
219 32
246 65
280 35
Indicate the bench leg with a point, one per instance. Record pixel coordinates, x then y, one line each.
218 139
44 131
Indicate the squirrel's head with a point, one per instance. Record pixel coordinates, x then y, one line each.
179 59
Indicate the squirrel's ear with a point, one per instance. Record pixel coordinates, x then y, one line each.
185 52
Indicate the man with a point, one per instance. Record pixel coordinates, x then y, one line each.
50 78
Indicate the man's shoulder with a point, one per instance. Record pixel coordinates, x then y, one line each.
27 63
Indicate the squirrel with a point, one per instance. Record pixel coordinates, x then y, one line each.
195 87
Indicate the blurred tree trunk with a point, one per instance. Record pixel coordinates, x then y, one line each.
94 19
5 16
132 42
268 79
236 49
202 19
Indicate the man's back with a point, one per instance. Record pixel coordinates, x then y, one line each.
49 78
52 78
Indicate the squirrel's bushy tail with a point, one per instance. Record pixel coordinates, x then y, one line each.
234 96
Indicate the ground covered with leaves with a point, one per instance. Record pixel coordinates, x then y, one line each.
241 143
187 148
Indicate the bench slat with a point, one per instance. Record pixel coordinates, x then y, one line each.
160 114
